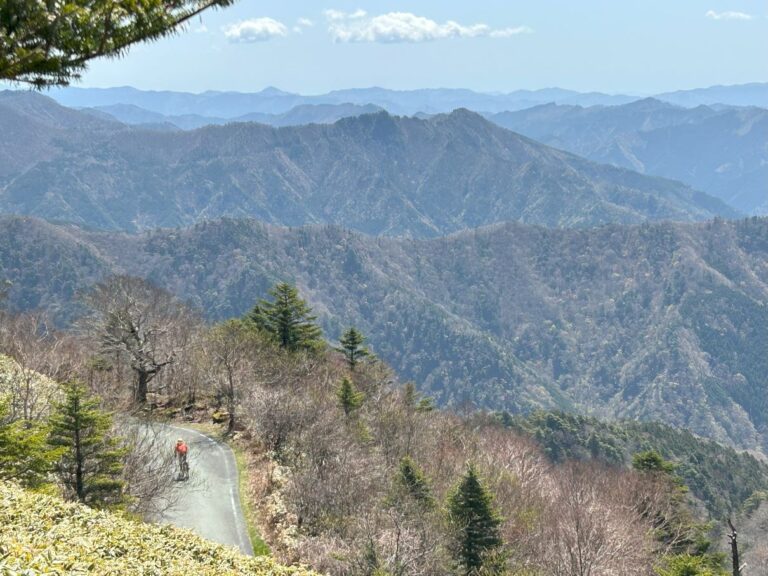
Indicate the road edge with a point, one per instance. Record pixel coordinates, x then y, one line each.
233 472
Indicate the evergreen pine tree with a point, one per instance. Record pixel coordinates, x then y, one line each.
25 457
51 43
412 480
475 523
685 538
350 399
413 400
287 319
652 461
90 464
352 346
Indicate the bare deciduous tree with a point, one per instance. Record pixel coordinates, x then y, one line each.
40 356
135 321
228 353
148 468
593 527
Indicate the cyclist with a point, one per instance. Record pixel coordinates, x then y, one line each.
180 453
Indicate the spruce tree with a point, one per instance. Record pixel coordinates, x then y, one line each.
25 457
412 480
287 319
414 401
350 399
352 346
90 464
475 523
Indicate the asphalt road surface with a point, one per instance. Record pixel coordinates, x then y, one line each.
209 503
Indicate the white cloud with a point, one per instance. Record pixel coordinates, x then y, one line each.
202 29
302 24
338 15
712 15
406 27
255 30
335 15
507 32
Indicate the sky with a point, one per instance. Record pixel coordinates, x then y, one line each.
311 47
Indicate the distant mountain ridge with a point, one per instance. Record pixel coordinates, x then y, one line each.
664 322
273 101
752 94
722 151
403 102
375 173
299 115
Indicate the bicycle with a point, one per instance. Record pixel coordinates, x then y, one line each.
183 468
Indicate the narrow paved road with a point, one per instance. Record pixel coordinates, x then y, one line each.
209 503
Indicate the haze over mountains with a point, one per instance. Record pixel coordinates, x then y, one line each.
301 114
722 151
402 102
374 173
663 322
715 139
572 298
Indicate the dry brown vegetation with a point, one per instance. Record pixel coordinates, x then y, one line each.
328 486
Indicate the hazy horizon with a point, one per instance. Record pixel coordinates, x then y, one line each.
255 90
487 46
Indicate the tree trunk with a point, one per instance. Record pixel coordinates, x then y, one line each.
79 486
142 387
231 425
734 550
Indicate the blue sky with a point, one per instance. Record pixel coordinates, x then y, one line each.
307 46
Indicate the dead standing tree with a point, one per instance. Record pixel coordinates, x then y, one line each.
135 320
734 549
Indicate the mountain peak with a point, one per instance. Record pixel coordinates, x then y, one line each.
272 91
463 118
463 115
649 104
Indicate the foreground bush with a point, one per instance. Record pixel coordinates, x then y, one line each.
44 535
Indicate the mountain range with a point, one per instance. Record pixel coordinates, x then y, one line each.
722 151
719 149
275 101
302 114
665 322
374 173
404 102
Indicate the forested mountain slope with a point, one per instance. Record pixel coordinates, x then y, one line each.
718 476
375 173
722 151
661 322
33 129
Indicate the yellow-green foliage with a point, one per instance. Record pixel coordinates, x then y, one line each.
42 535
